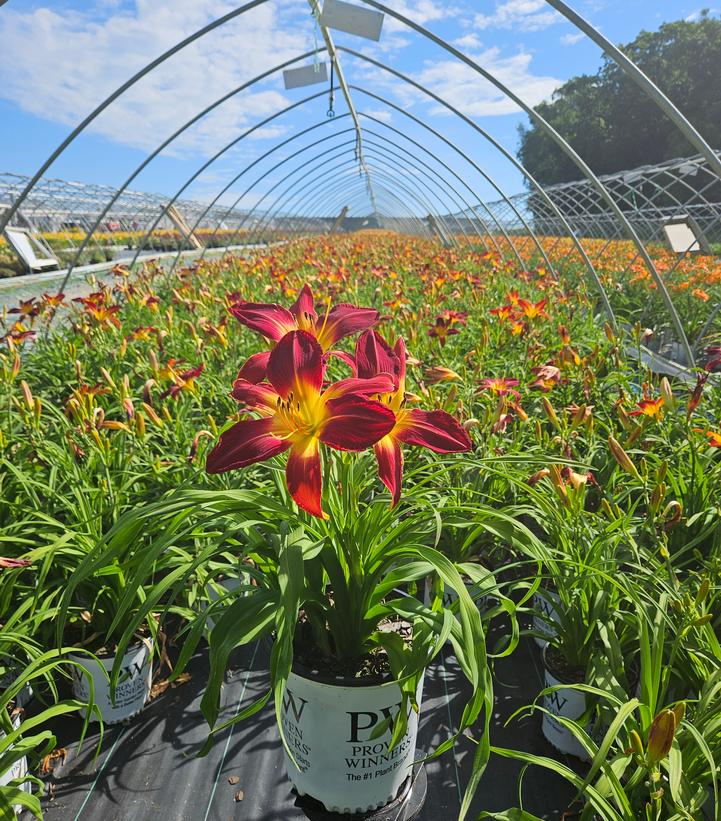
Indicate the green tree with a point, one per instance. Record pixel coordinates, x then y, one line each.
613 125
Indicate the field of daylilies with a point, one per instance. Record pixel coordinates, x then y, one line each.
361 450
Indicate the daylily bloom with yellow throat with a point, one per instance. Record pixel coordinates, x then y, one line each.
500 386
436 430
653 408
273 322
297 415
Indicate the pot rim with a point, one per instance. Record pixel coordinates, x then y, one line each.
547 668
146 641
302 671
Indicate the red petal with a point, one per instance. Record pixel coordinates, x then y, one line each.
246 442
390 465
262 397
436 430
296 365
355 423
374 355
383 383
272 321
255 368
343 320
304 304
345 357
304 478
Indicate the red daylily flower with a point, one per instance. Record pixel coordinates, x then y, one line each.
500 386
273 321
442 329
183 382
533 310
297 415
503 313
436 430
714 438
652 408
27 308
546 377
54 300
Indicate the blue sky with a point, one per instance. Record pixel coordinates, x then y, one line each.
60 58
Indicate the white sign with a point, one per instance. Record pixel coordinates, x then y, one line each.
305 75
352 19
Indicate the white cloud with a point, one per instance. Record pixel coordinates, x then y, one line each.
382 114
468 41
572 39
420 11
520 15
464 88
59 66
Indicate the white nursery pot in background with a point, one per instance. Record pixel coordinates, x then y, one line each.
229 584
546 601
134 682
328 727
568 703
19 768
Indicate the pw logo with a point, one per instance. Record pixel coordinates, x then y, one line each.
366 721
289 701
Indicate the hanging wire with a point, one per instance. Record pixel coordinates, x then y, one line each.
331 94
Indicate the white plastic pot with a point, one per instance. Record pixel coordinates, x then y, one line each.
567 703
545 601
229 584
133 688
328 728
19 768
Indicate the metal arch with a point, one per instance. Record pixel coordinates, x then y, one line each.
570 153
4 220
302 191
410 220
519 167
469 161
484 174
291 193
259 179
267 173
435 173
338 194
266 194
339 191
436 176
424 194
222 151
197 117
645 83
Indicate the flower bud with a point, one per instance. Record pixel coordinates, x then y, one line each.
636 743
660 736
622 458
28 394
550 412
667 394
703 589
